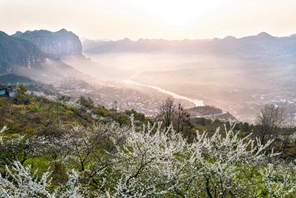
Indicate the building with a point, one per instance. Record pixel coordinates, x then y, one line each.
8 91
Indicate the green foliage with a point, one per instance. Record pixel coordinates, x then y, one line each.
137 116
201 121
22 88
122 119
87 102
22 99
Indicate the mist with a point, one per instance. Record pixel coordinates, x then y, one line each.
239 86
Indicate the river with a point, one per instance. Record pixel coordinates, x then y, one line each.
175 95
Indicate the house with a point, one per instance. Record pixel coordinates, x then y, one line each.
3 90
12 93
8 91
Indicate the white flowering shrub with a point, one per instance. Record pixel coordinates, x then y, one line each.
156 163
162 163
19 182
1 131
20 147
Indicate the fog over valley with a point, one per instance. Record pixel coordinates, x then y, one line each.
237 81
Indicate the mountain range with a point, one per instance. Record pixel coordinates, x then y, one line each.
262 44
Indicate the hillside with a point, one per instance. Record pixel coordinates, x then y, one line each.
52 146
32 85
38 113
45 107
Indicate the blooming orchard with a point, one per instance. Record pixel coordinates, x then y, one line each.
111 161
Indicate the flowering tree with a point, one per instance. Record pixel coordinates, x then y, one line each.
162 163
19 147
20 182
156 163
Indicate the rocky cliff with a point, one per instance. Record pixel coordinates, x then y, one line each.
58 43
19 52
22 57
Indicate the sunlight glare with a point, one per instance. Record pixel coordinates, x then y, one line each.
177 13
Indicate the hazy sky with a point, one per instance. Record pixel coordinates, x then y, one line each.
168 19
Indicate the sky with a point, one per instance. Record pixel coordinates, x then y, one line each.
167 19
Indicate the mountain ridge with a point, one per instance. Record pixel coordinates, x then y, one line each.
249 45
186 39
62 42
19 51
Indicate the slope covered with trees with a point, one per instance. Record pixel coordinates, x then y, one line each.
108 161
56 147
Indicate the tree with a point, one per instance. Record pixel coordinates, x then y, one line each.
87 102
24 183
268 121
182 123
167 112
90 150
175 115
289 132
22 88
20 148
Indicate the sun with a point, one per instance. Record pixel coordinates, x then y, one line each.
176 13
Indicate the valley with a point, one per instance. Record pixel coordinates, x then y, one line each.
239 86
239 76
